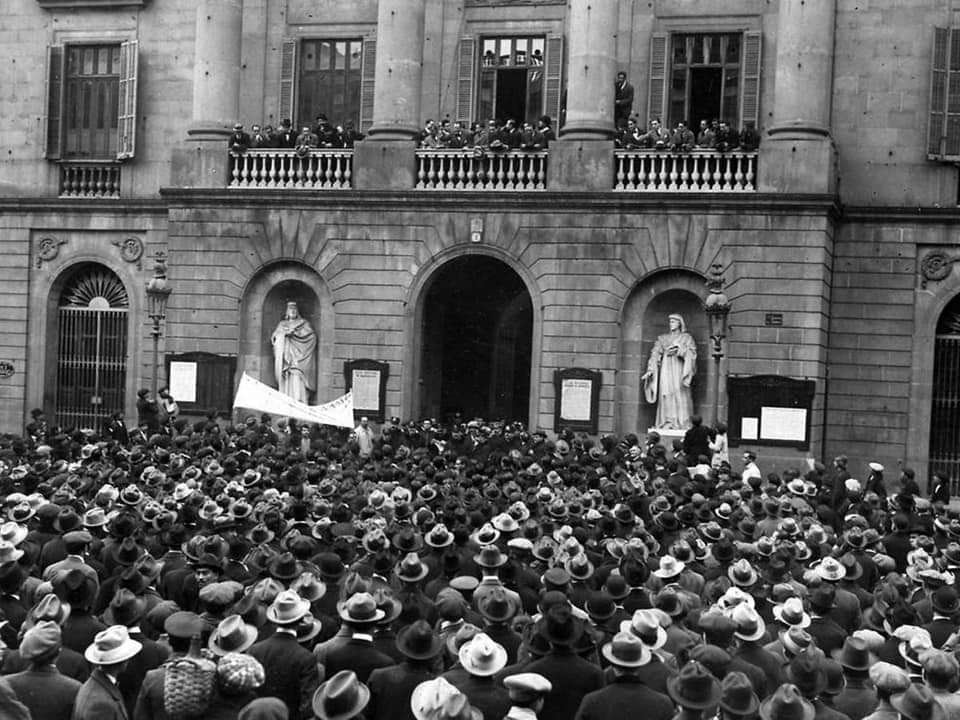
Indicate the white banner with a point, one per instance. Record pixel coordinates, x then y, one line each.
254 395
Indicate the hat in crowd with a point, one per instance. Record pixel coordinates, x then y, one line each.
737 696
646 626
889 678
239 673
694 687
527 686
481 656
854 655
341 697
918 702
125 609
787 703
112 646
287 608
184 624
359 609
418 641
232 635
41 640
626 650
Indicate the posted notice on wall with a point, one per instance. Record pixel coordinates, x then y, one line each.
575 399
366 389
783 423
183 381
750 428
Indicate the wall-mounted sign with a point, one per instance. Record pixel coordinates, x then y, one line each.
577 401
770 410
368 381
6 368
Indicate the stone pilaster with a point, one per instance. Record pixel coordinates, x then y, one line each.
216 69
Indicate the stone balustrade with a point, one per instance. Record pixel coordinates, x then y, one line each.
318 169
472 169
89 179
694 171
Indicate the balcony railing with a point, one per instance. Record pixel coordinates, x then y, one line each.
90 179
694 171
471 169
315 170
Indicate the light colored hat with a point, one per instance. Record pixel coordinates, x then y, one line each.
889 678
527 686
875 466
232 636
481 656
750 625
669 567
112 646
626 650
429 696
238 673
830 569
791 613
646 626
41 639
287 608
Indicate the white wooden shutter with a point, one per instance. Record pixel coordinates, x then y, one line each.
553 79
937 125
657 94
52 119
288 71
466 69
127 101
367 89
750 87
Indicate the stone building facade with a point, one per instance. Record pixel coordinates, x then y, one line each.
836 239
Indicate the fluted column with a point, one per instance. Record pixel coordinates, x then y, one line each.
397 76
804 75
216 69
591 70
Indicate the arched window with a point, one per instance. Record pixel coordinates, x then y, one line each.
91 366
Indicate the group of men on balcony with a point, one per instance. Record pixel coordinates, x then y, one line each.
713 135
322 134
492 136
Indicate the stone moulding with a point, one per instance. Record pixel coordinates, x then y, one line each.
89 4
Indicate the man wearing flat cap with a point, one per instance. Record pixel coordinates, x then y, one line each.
42 688
180 628
528 692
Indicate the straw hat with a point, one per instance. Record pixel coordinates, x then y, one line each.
112 646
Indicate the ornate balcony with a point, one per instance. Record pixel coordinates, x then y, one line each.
90 179
472 169
694 171
316 170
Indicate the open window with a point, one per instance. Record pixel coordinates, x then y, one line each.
705 76
91 101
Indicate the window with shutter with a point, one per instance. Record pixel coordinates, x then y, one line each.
466 54
519 78
750 89
657 95
553 103
943 129
366 84
288 66
91 101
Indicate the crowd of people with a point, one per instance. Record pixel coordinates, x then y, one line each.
492 136
321 134
714 135
464 570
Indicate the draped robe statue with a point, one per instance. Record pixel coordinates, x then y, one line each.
294 355
670 371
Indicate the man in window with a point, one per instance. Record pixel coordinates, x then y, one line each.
623 100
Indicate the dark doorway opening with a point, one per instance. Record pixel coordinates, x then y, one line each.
477 340
706 92
512 95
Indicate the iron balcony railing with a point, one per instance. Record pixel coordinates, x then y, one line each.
693 171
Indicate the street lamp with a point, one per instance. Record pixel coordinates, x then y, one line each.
158 293
717 307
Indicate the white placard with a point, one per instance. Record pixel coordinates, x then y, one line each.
575 399
782 423
366 390
749 427
183 381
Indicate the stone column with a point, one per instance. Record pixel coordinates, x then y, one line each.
798 154
386 160
591 69
203 161
582 159
216 68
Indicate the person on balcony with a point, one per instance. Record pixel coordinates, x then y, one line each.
239 141
259 139
430 135
349 134
286 135
727 138
749 137
682 139
510 134
327 136
706 138
628 137
307 139
657 137
545 128
623 100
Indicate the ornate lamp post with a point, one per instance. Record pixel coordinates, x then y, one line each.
158 293
717 307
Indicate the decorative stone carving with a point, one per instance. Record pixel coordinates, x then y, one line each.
48 247
936 266
131 250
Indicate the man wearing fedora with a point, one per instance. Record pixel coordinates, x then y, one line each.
342 697
858 696
695 691
41 687
627 692
360 615
391 687
807 673
481 658
100 698
290 669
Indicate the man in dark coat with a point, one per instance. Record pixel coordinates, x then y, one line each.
99 697
42 688
627 693
391 687
290 669
696 441
622 100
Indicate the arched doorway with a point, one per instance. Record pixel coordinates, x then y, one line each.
945 407
476 341
90 310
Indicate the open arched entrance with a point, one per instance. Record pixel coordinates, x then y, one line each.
476 341
88 319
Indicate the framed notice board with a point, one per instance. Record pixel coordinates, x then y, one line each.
368 380
770 410
577 402
202 381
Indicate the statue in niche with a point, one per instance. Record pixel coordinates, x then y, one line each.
670 371
294 354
